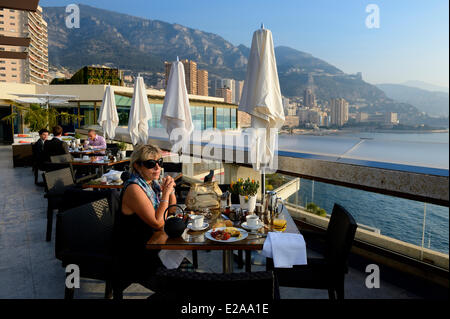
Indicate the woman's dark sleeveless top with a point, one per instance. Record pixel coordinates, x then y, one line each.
133 234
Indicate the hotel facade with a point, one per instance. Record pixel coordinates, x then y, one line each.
28 62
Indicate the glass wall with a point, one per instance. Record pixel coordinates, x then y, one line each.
68 124
198 117
223 118
233 118
156 116
123 104
87 110
209 117
410 221
123 113
202 116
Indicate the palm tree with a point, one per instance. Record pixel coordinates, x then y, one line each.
37 118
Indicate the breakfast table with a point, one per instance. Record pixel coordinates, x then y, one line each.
98 162
197 240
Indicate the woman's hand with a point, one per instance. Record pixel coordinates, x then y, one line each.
168 185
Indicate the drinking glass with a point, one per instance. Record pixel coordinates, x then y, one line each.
279 222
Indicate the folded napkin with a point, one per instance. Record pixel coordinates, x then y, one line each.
172 258
286 249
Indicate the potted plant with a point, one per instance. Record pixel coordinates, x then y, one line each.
123 149
247 190
77 138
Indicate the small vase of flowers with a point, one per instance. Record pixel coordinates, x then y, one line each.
247 190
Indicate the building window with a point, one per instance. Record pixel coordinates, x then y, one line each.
12 17
12 23
2 74
2 68
14 76
1 22
209 118
14 69
11 62
2 61
2 29
12 30
11 10
198 117
1 15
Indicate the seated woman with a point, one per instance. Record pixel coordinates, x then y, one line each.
143 203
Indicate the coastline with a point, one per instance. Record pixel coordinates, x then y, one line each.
346 131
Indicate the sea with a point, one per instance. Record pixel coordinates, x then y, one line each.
402 219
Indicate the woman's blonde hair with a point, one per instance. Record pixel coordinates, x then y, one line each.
143 153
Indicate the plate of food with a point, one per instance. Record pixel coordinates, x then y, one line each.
226 234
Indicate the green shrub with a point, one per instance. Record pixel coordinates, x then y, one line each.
313 208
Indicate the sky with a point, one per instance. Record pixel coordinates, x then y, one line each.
411 42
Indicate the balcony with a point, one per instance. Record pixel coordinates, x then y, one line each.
26 5
421 245
30 262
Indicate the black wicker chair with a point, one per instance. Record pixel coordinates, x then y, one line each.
84 237
179 285
79 176
62 193
328 272
113 148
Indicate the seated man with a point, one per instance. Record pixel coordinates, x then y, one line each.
55 146
95 140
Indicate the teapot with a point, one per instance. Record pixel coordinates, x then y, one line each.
174 226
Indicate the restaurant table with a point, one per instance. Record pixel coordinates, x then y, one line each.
102 186
196 240
92 152
101 164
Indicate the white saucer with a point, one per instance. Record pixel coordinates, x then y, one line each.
245 226
205 225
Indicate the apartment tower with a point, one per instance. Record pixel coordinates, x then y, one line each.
202 82
19 65
224 93
339 111
190 74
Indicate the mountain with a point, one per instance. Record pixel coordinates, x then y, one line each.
135 43
426 86
141 45
433 103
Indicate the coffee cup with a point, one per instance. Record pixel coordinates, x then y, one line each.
197 221
252 220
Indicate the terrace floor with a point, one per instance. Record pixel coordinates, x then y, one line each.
29 269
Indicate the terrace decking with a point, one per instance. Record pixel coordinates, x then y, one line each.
29 269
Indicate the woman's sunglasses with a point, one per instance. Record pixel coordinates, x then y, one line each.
152 163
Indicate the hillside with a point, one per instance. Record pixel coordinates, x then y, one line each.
142 45
139 44
433 103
